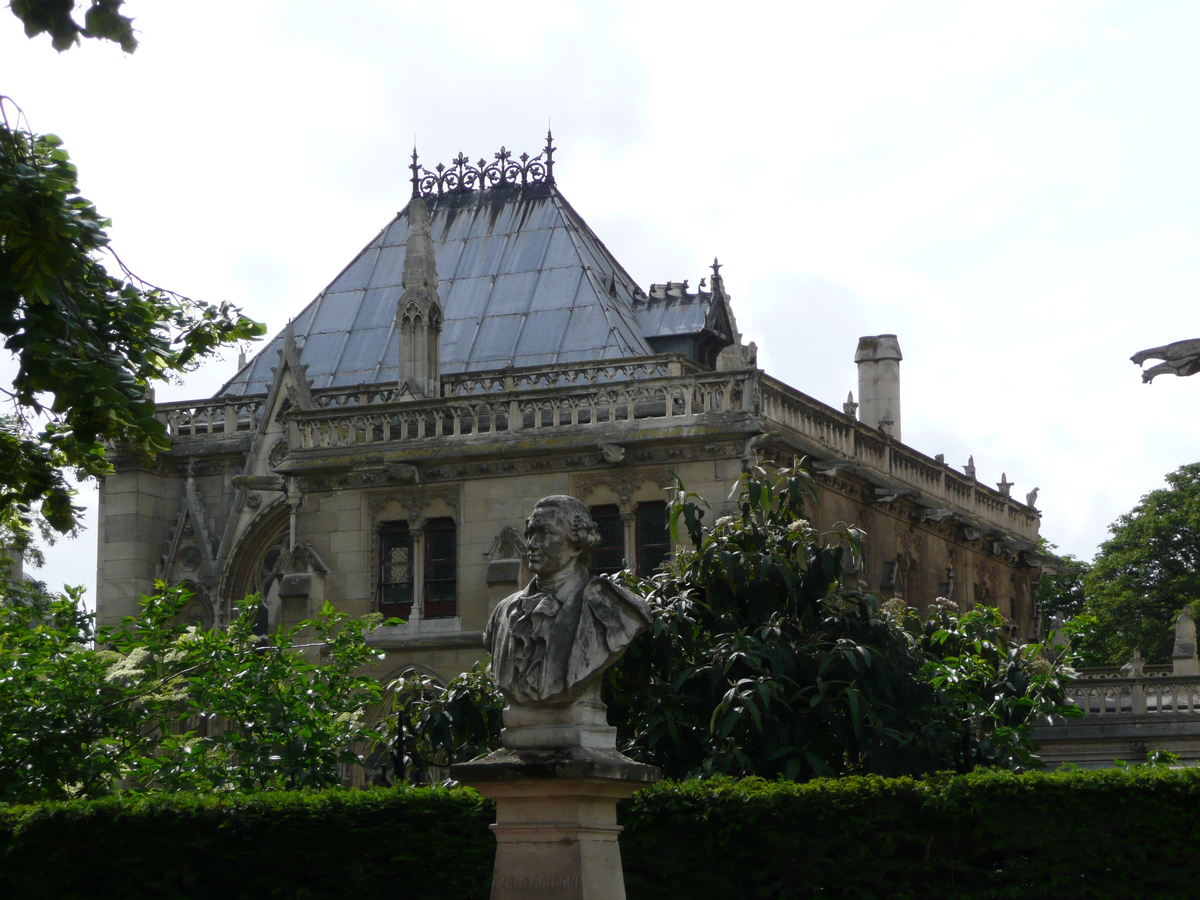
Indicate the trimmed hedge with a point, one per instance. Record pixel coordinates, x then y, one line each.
407 844
1116 834
1110 834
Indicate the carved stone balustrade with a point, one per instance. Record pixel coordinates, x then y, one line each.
1149 695
892 465
1125 719
512 411
192 420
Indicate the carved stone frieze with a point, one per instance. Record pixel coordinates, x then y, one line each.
413 501
623 485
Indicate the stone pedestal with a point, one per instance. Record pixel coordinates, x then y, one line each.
556 804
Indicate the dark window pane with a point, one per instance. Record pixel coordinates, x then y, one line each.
441 569
609 557
395 571
653 537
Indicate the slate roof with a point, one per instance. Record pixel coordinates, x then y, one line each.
670 310
522 280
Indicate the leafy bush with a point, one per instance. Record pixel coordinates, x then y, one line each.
64 725
168 705
760 661
224 708
438 726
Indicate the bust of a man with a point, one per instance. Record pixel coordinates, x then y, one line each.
553 640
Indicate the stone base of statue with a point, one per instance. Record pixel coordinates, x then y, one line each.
556 785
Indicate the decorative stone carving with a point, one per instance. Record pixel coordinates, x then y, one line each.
553 640
624 486
504 559
612 453
278 453
190 558
413 501
1180 358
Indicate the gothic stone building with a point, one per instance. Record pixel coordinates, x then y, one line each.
483 351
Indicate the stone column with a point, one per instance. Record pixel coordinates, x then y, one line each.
556 785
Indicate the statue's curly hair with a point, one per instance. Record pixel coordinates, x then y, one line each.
581 530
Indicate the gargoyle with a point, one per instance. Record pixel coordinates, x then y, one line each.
1181 358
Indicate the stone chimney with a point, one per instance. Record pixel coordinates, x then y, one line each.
878 359
419 313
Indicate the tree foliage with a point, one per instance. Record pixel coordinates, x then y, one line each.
89 345
1062 595
65 725
101 19
164 705
1145 574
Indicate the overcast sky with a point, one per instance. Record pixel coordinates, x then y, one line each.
1009 187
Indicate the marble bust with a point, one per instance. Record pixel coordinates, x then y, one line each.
553 640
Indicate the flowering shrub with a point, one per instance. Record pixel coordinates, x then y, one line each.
165 705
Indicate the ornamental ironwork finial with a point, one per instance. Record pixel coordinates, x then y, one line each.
716 270
505 171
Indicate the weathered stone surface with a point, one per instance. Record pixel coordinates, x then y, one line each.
562 763
554 639
556 819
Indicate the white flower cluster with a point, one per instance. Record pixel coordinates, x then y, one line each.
800 526
723 522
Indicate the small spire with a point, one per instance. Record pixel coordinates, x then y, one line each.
549 151
850 408
419 312
416 175
420 266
